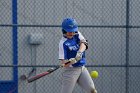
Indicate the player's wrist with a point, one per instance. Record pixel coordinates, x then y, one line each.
78 55
79 52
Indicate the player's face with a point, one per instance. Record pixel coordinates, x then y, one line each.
70 34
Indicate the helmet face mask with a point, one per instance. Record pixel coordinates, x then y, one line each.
69 25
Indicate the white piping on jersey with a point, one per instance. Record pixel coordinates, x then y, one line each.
81 36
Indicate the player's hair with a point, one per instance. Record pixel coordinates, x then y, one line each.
63 31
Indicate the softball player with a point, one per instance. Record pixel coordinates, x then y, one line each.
72 47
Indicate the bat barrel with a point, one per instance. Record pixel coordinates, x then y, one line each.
44 73
37 77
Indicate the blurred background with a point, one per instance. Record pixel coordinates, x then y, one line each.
30 31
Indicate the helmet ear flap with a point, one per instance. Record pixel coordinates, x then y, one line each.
63 31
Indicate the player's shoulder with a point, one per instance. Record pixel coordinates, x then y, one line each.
80 36
78 33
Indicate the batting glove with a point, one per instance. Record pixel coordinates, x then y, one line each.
78 55
73 60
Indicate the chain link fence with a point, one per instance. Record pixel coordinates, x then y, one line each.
112 28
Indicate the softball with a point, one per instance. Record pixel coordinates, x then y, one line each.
94 74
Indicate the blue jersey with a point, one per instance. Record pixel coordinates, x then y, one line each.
68 49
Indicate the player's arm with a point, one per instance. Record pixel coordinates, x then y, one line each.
83 42
79 54
83 47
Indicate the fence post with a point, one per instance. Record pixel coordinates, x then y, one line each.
15 43
127 46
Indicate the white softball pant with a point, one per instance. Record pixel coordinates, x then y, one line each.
80 75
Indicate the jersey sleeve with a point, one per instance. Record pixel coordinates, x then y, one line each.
62 51
81 37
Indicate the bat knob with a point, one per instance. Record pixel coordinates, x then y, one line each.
23 77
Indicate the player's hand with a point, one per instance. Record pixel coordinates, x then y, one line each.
78 55
66 63
73 60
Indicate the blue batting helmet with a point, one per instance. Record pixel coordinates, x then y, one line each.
70 25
